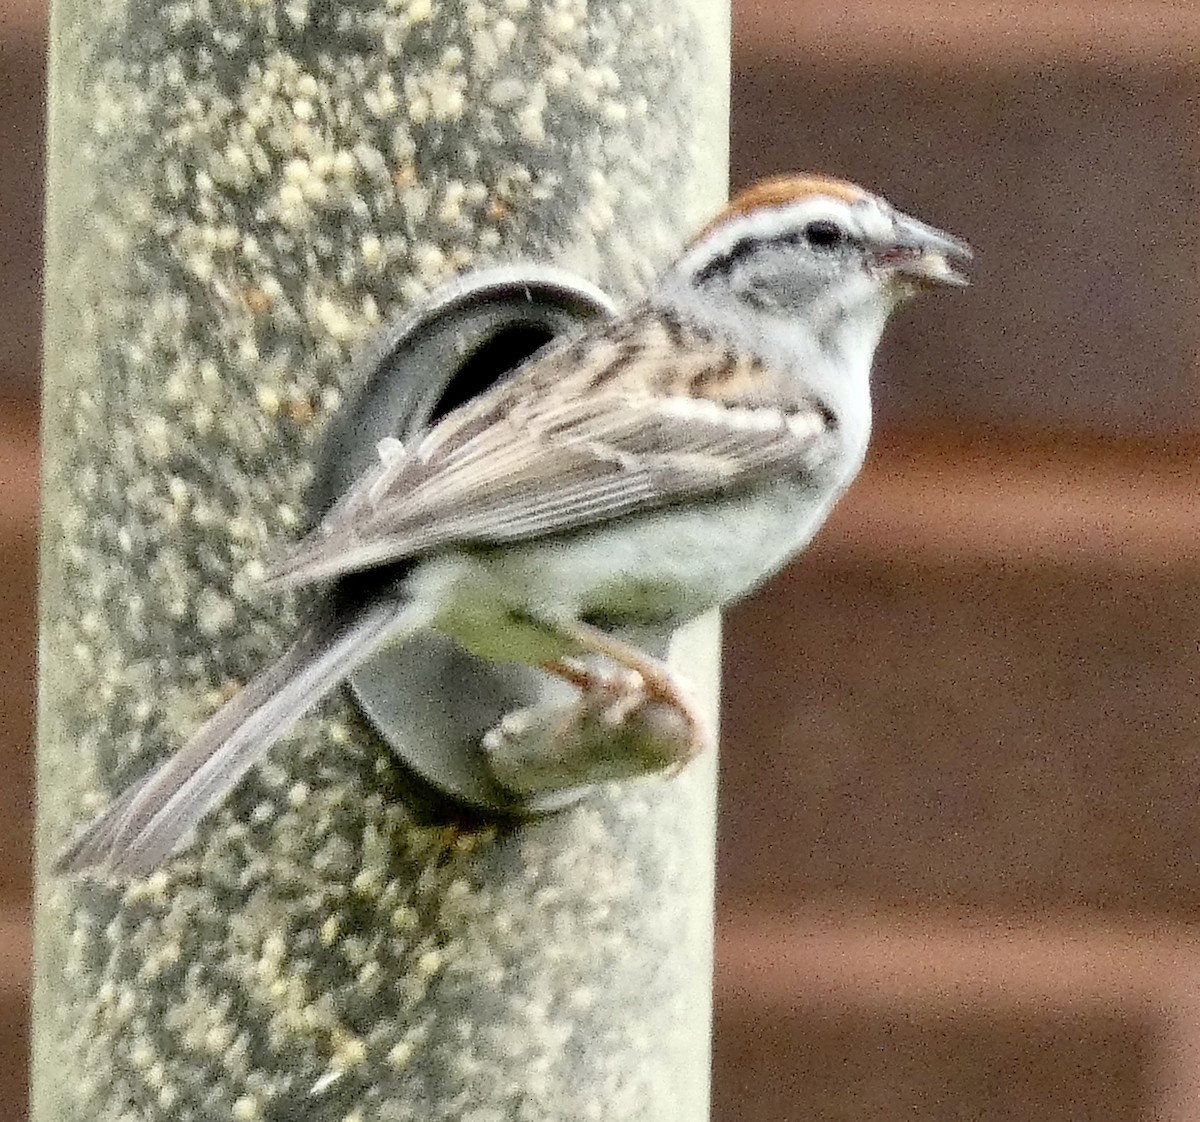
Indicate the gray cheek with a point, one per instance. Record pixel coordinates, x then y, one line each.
780 289
831 332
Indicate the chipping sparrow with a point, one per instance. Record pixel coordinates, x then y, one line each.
658 465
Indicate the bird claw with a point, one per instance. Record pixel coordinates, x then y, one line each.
616 729
618 695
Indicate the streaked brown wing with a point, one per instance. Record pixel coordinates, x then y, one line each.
537 455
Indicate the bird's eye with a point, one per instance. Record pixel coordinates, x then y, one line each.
824 234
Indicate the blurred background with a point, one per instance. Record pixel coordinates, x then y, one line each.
960 859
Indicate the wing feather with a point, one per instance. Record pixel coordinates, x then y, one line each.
538 455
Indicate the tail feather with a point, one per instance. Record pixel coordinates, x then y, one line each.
146 822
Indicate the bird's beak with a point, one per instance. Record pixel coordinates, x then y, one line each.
924 256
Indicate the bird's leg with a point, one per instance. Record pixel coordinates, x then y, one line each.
644 678
633 717
625 688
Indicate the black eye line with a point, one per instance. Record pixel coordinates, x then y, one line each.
724 263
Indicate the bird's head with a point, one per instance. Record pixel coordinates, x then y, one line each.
811 245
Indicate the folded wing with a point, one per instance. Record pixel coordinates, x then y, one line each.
642 413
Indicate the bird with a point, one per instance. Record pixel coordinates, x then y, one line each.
654 466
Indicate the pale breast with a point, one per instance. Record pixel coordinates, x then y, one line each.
662 569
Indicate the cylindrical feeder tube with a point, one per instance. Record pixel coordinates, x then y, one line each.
240 192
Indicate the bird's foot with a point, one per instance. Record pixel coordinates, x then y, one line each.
616 729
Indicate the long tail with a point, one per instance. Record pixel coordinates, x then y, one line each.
149 819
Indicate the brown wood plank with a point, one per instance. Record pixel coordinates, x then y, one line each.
1034 500
951 33
952 961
